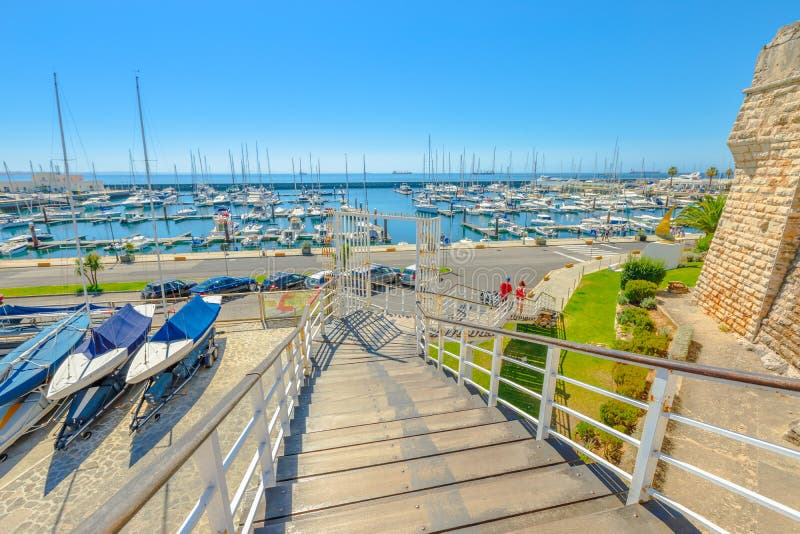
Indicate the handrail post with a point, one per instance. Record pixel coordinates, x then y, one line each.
212 475
261 430
440 349
548 392
304 348
662 393
261 312
282 397
292 350
463 368
494 378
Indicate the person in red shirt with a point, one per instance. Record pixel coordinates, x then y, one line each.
520 294
506 289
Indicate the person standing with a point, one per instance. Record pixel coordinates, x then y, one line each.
520 295
506 288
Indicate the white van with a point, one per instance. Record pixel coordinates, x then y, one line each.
409 276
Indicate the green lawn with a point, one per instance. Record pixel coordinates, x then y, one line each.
588 318
688 275
68 289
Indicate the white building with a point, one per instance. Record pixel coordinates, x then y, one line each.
52 183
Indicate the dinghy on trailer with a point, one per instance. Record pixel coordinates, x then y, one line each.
24 373
95 372
173 355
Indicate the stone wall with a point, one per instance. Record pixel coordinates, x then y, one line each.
751 278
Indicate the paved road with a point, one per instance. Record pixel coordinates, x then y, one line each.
477 268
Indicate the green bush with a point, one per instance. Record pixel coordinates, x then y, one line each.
617 414
636 290
649 303
630 380
643 269
703 243
622 300
636 317
693 257
612 446
587 434
645 342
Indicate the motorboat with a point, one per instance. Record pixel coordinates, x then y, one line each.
184 212
252 229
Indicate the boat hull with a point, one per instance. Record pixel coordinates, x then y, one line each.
156 356
18 418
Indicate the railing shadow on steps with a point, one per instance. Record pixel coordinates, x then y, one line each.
435 332
202 443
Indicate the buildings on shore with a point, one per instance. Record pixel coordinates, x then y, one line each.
47 182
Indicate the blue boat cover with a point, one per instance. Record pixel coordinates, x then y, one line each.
127 328
9 310
191 321
18 378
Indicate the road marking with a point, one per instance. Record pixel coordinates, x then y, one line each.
612 247
567 256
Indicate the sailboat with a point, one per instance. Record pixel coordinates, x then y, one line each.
173 355
94 372
25 371
108 347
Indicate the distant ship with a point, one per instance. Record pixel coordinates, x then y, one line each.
632 171
401 172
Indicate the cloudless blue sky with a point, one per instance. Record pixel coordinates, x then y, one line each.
567 78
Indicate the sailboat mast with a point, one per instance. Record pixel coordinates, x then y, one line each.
69 195
346 179
150 195
269 171
366 201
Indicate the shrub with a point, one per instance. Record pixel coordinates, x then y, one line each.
587 434
691 257
636 317
630 380
648 303
636 290
703 243
617 414
622 299
644 342
643 269
612 446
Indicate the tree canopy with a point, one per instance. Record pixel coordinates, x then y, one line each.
704 215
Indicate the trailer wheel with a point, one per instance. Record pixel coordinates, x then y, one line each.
86 434
3 457
156 417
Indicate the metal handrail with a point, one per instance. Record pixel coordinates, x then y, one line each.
657 410
760 381
115 513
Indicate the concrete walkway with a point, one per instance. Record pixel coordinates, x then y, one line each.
756 413
561 283
43 491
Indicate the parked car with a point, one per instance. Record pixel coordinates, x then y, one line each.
380 274
317 279
282 281
409 276
225 284
172 288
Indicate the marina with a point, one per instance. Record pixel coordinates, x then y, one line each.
282 214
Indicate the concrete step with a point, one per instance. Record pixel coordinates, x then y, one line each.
456 505
400 449
343 381
315 424
372 368
415 426
403 477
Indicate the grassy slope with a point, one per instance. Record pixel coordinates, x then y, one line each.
688 275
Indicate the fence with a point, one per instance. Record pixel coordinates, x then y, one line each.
444 341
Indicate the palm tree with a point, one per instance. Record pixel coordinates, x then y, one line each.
711 172
92 263
672 171
703 216
728 173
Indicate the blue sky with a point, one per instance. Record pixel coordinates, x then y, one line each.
568 78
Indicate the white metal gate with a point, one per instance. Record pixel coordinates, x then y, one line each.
355 234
